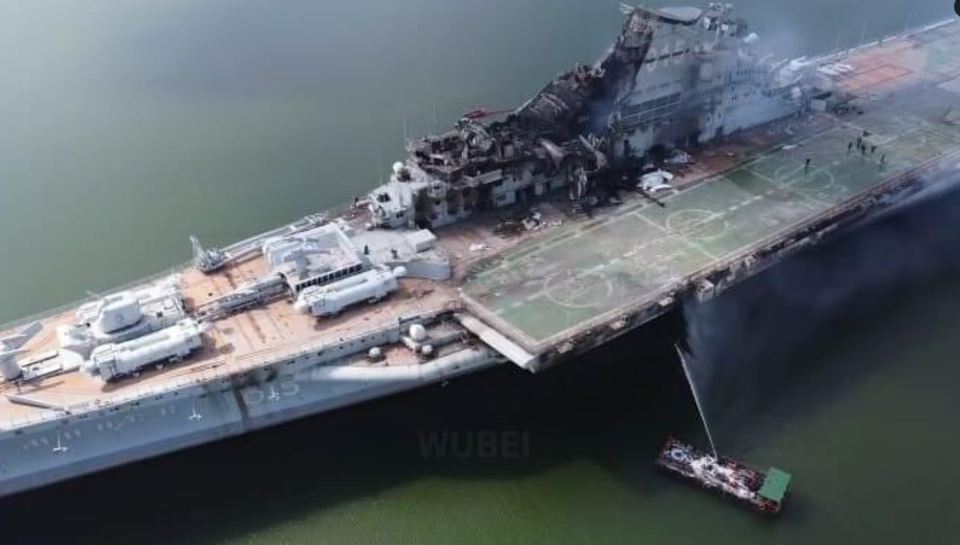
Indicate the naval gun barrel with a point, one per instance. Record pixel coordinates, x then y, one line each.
256 292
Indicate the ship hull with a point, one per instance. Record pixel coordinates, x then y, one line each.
69 446
562 294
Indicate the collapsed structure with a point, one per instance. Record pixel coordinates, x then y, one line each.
674 78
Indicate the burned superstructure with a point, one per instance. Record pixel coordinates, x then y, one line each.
703 78
674 78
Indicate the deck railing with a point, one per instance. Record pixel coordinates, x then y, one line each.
214 371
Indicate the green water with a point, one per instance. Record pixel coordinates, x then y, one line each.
126 126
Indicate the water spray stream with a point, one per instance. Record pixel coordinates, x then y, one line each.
696 399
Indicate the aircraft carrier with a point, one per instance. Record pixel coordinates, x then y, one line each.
681 162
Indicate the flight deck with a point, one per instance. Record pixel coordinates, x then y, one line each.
552 288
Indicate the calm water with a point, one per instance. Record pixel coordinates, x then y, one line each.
126 126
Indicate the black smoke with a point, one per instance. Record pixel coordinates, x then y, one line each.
740 340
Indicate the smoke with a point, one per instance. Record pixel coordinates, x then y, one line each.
738 340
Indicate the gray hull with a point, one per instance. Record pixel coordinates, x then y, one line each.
67 446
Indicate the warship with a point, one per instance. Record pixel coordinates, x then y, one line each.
681 162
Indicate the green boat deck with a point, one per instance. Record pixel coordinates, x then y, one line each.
775 485
550 288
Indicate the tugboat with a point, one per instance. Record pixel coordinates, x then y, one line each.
763 492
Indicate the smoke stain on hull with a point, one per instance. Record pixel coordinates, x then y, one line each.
763 338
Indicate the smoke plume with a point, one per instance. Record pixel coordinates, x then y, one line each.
739 339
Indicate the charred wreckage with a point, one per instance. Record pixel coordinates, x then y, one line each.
674 78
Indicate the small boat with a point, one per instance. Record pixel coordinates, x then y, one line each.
763 491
